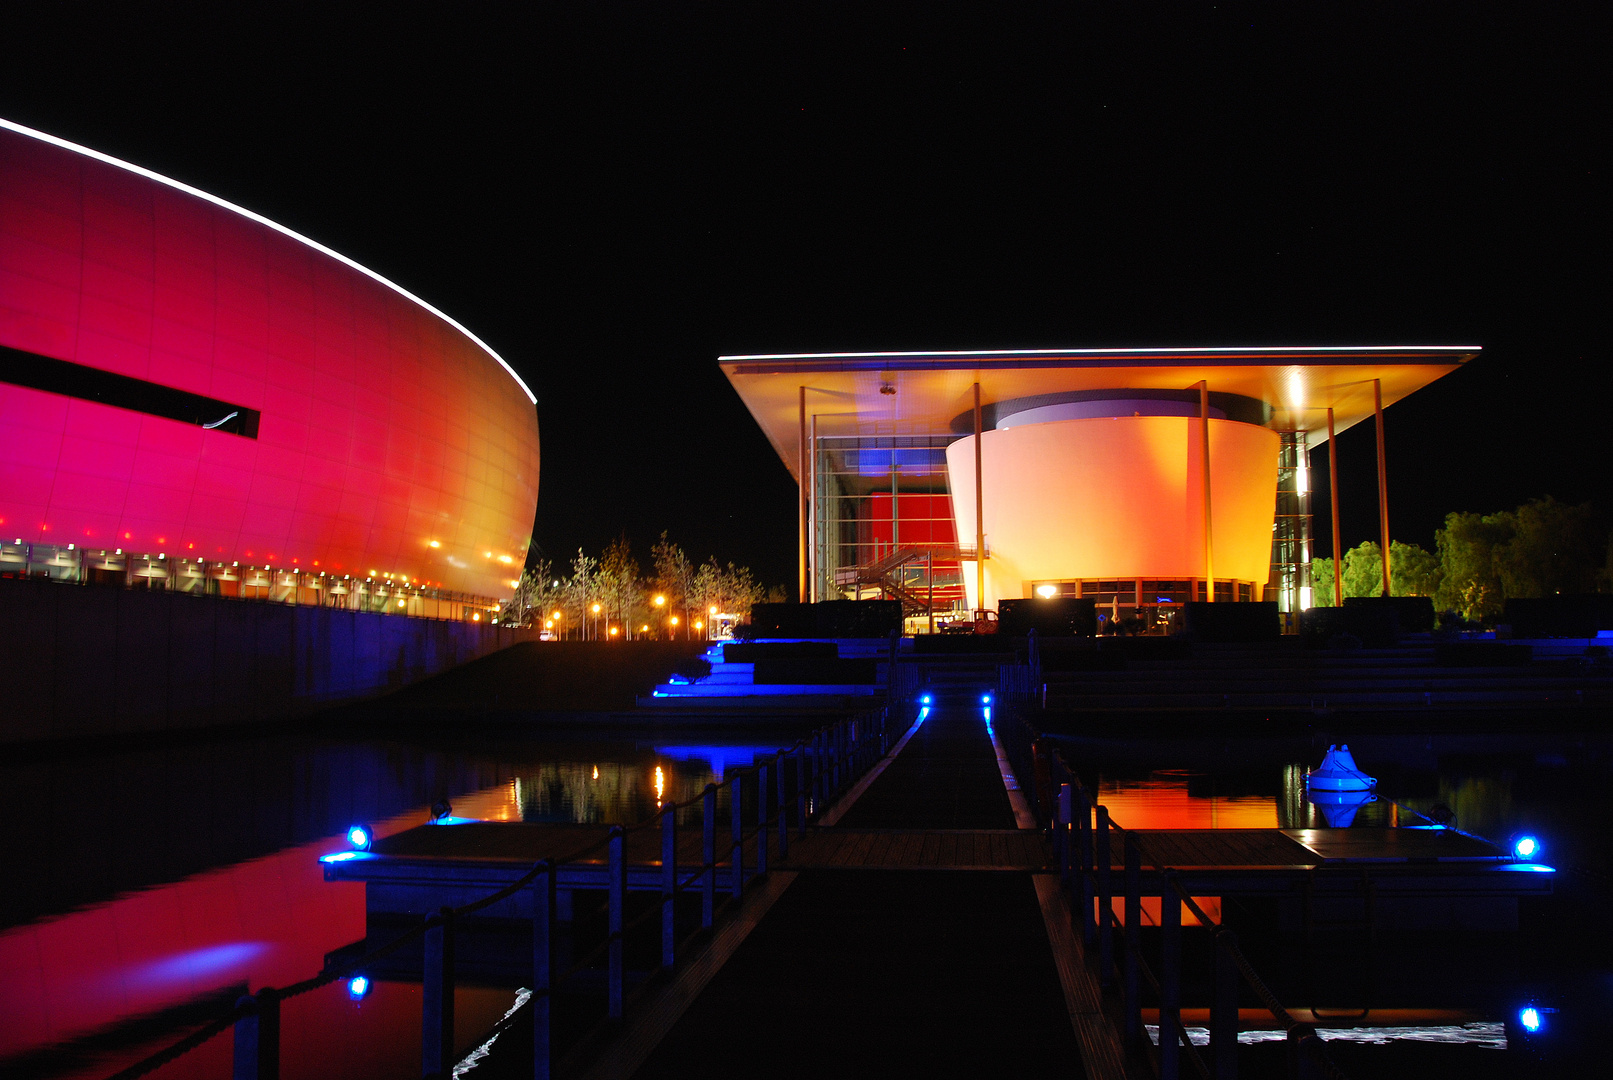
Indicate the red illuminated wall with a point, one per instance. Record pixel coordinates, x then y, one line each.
925 520
383 429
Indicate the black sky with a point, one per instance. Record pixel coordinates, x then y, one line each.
612 195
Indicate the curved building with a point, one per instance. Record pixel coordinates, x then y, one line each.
1139 478
195 395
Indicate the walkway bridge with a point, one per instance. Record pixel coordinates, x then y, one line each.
881 898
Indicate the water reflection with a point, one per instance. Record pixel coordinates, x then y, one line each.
158 906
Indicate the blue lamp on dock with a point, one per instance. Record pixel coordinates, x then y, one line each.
1525 848
360 837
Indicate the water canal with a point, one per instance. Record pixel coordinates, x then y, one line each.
1471 997
150 888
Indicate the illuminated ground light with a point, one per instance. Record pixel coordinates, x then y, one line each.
1531 1019
360 837
358 987
1525 847
925 700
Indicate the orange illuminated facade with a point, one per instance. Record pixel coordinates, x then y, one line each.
1142 478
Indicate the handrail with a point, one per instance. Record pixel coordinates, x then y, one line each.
827 760
1077 860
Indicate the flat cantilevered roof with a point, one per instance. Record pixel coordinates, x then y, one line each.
849 392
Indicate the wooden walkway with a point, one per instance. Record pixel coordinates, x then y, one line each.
920 849
911 941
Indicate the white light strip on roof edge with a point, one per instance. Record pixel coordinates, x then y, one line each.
1183 351
277 227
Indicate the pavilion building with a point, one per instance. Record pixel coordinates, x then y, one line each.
1140 478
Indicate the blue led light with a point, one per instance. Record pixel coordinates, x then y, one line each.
358 987
1526 847
985 699
1530 1020
925 700
360 836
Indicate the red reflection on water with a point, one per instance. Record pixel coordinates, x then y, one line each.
1163 802
264 922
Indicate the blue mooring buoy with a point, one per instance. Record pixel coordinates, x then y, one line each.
1338 772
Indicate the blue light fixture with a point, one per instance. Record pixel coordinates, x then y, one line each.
985 699
1530 1020
925 700
360 837
1525 848
358 987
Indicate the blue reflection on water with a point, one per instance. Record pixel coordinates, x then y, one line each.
198 964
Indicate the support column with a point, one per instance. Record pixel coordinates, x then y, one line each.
803 591
1204 470
1333 498
1383 484
817 560
980 514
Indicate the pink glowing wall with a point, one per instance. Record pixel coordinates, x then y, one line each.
384 429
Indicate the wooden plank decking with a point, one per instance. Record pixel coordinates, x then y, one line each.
919 849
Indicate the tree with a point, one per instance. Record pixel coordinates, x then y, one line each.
619 574
1363 570
1466 545
674 578
1413 570
1321 582
1554 548
582 590
533 595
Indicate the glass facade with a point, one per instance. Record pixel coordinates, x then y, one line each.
384 595
882 523
1290 583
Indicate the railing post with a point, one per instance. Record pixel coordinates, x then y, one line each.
257 1037
1106 932
618 899
761 819
543 935
736 821
801 787
779 763
708 857
1083 876
817 771
669 887
1061 833
1170 982
437 997
1134 941
1224 1007
1303 1042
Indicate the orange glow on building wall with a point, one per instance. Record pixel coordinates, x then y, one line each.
1115 497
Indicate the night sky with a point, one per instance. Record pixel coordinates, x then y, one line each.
614 194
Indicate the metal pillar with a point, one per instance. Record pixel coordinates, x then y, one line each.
804 589
1333 498
817 560
1204 473
1383 484
980 514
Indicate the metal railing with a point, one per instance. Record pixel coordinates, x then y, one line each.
825 763
1082 835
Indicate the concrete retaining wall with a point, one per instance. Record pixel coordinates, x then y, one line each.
86 661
